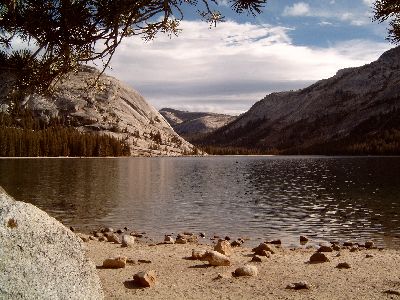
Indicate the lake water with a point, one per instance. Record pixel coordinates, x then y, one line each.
326 198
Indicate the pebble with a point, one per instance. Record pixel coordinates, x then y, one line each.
145 278
257 258
119 231
354 249
169 239
113 238
107 229
369 244
348 244
369 256
275 242
98 234
181 240
215 258
319 257
302 285
198 254
247 270
392 292
336 247
236 244
325 248
303 239
223 247
115 263
102 239
262 249
343 265
202 234
83 237
128 240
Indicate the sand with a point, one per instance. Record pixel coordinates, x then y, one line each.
181 278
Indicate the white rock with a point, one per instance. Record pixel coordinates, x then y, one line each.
128 240
40 258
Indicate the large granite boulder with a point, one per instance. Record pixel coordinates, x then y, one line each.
40 258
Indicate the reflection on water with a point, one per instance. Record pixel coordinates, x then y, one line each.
333 198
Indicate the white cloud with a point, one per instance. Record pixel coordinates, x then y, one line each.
368 2
228 68
298 9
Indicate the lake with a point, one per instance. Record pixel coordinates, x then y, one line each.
259 197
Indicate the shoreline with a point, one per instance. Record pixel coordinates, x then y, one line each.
373 273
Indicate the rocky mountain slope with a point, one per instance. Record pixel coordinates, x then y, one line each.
193 125
348 111
109 108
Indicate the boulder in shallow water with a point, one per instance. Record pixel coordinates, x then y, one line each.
40 257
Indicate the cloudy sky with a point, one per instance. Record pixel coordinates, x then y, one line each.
228 68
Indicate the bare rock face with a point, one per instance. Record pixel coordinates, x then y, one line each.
223 247
110 108
40 258
192 124
215 258
356 102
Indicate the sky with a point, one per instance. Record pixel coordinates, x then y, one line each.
227 68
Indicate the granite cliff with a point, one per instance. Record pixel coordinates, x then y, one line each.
110 107
193 125
351 112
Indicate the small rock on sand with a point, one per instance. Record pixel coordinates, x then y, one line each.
223 247
319 257
169 239
303 239
83 237
113 238
302 285
325 248
236 244
181 240
369 244
343 265
115 263
215 258
262 249
198 254
145 279
128 240
336 247
257 258
247 270
369 256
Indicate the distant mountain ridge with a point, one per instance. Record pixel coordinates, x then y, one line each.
193 125
355 111
110 108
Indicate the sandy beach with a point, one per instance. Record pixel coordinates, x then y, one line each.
373 273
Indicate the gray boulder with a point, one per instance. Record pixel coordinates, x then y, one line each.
40 258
